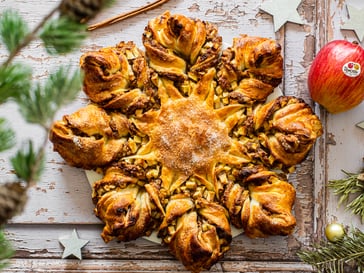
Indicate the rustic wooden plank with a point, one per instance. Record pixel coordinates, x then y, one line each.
345 150
41 241
61 183
61 200
114 266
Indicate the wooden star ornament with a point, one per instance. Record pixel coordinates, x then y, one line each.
360 125
355 22
282 11
72 245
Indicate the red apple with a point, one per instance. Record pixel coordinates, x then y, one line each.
336 76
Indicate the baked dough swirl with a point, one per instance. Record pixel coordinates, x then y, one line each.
185 139
91 137
260 202
181 48
250 69
118 77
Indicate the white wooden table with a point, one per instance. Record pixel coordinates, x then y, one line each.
61 201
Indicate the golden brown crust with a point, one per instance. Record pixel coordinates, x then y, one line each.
271 201
278 134
90 137
117 77
288 128
261 204
251 68
123 204
126 214
198 233
179 47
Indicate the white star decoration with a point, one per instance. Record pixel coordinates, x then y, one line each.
282 11
72 245
356 21
360 124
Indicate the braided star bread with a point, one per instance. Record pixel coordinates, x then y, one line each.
186 142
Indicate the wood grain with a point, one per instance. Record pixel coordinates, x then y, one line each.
61 200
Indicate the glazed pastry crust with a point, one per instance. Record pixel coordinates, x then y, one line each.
251 68
117 77
179 47
288 127
90 137
261 203
198 245
123 204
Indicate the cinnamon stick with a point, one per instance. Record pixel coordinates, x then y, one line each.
126 15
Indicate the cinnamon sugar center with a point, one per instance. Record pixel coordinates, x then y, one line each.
189 136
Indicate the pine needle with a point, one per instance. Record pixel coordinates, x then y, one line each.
14 79
28 164
62 35
335 257
351 191
7 136
13 29
39 105
6 250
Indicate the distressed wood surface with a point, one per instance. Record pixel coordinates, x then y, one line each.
61 200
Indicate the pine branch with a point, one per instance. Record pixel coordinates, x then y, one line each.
62 35
14 79
6 136
6 251
351 191
11 20
40 104
28 164
27 39
337 257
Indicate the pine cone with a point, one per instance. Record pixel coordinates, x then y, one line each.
80 10
12 200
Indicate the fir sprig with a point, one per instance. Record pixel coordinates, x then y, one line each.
14 79
6 252
345 255
28 163
351 191
38 102
6 136
11 20
41 104
62 35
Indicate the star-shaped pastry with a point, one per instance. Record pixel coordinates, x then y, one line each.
72 245
356 21
282 11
